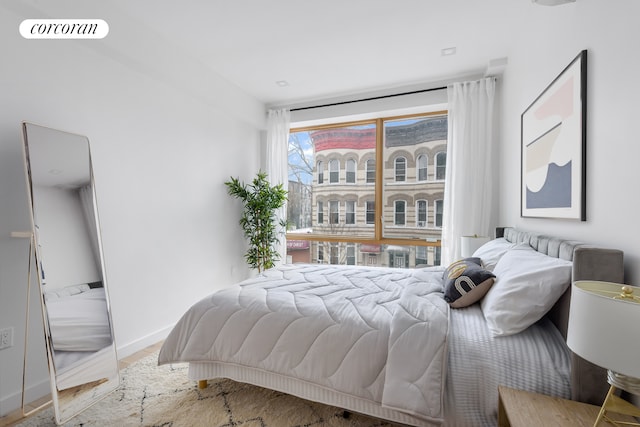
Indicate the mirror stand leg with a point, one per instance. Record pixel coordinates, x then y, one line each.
26 413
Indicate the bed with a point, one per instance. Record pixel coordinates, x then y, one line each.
422 347
80 333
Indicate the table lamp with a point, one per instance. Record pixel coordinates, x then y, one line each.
604 328
469 244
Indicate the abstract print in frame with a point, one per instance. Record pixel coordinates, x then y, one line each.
554 147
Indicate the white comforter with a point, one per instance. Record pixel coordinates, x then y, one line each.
375 333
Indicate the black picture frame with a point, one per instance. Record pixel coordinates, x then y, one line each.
553 147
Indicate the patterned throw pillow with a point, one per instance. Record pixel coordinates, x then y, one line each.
466 282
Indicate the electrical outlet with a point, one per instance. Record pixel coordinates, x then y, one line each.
6 338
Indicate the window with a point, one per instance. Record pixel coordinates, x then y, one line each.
334 254
334 171
398 259
350 212
401 169
400 211
320 172
421 164
351 254
371 171
421 255
320 213
351 171
372 259
368 213
334 212
320 254
438 213
437 256
421 216
371 212
441 165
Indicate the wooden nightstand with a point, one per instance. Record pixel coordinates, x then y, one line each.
517 408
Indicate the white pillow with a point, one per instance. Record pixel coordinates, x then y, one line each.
528 283
491 252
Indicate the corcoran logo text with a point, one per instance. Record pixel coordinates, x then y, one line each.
64 28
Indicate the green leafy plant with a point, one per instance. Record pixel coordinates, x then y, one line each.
258 221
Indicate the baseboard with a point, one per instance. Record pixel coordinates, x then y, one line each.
34 392
130 348
42 388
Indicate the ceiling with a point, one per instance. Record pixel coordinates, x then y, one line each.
321 49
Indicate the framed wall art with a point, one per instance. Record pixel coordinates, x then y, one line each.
553 138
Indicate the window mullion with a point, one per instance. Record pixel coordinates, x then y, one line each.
379 177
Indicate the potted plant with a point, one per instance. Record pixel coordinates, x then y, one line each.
258 221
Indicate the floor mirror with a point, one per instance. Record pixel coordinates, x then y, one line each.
70 269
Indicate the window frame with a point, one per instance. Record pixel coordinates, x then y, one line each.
368 171
396 161
420 213
350 164
440 169
396 204
350 213
334 173
378 163
422 164
334 212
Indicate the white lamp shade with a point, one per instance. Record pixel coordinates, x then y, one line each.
604 330
469 244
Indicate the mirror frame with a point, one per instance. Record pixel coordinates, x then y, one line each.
71 400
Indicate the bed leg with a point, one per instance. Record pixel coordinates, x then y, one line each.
202 384
346 414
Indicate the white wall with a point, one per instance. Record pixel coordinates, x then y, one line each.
161 156
550 38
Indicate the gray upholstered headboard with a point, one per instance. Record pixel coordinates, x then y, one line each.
588 381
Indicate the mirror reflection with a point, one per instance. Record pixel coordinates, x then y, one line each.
78 328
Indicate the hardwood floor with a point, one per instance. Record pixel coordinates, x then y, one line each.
15 417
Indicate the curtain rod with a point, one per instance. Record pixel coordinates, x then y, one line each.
373 98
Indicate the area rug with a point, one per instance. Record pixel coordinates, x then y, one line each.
163 396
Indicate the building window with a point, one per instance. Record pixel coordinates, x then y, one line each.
421 255
441 165
350 212
320 172
421 164
351 171
334 171
320 213
334 212
438 214
370 212
371 171
421 213
401 169
398 259
334 254
372 259
351 254
400 208
437 255
320 253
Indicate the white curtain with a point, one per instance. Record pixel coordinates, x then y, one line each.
277 161
470 170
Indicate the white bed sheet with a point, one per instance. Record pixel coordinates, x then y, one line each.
80 321
536 360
